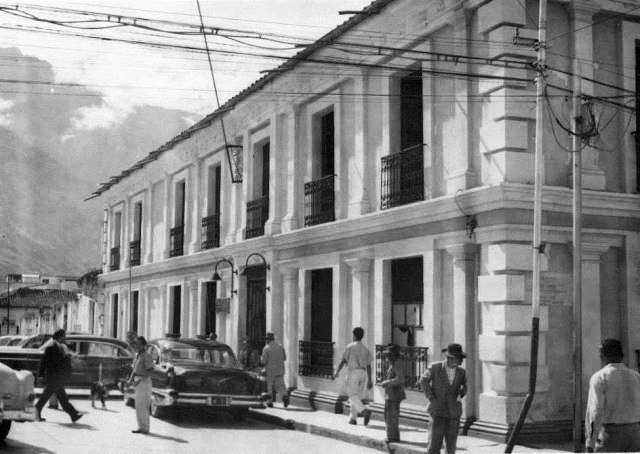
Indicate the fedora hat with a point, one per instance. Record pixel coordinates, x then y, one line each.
454 350
269 336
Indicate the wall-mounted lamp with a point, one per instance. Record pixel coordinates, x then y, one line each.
265 265
216 277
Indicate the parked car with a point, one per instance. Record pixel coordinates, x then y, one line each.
35 341
201 373
11 340
87 354
16 398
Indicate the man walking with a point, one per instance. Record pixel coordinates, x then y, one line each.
613 406
55 367
444 384
273 358
358 360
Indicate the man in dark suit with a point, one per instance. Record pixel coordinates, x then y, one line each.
55 367
444 384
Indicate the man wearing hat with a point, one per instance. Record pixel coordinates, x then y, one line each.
444 384
273 358
613 407
393 385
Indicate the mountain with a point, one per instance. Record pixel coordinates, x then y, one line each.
49 167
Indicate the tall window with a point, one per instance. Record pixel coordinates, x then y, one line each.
411 110
210 309
176 233
406 299
327 144
637 133
176 309
114 315
134 310
117 227
321 304
265 169
179 203
213 199
134 246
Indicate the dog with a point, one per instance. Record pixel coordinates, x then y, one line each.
99 391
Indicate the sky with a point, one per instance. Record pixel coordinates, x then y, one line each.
128 74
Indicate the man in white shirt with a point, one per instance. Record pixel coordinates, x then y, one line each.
273 358
358 360
613 407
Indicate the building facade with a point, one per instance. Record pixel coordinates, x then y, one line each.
387 182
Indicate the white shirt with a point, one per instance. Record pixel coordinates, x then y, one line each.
614 398
357 356
451 372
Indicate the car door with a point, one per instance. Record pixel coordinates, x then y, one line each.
78 352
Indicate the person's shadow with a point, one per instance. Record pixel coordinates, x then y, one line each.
165 437
76 425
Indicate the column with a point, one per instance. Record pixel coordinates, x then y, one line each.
289 276
342 308
358 171
360 268
504 345
464 312
582 14
381 325
165 301
591 334
126 232
458 158
243 190
274 303
196 206
166 215
294 185
277 174
147 211
191 314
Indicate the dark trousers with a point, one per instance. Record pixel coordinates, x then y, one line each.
619 438
56 387
443 428
392 419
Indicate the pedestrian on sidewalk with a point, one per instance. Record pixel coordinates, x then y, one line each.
358 360
273 358
55 367
393 385
613 406
141 380
445 384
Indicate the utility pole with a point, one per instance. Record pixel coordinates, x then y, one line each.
538 245
577 265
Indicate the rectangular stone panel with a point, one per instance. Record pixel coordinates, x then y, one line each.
499 348
501 12
506 409
510 103
504 135
512 257
511 318
508 167
501 43
501 288
511 379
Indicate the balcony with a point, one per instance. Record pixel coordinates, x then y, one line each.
315 359
414 363
176 241
402 178
114 262
134 253
257 215
211 231
319 201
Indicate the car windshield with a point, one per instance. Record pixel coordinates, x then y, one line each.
15 341
220 357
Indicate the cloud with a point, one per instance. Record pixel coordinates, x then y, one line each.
87 118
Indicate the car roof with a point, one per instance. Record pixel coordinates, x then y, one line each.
89 337
169 343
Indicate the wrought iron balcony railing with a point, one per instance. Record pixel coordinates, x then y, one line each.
402 178
319 201
315 359
257 215
134 253
176 243
414 361
114 261
211 231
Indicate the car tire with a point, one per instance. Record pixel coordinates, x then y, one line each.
240 415
130 403
5 426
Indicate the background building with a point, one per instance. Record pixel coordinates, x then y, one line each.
383 178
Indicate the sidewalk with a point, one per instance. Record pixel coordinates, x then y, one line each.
414 440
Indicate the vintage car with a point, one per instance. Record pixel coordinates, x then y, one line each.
16 398
88 353
200 373
35 341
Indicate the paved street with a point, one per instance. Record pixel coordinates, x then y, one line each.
109 431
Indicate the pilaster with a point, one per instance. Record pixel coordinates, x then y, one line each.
245 187
166 215
196 211
126 232
293 179
147 211
360 271
359 177
290 275
193 313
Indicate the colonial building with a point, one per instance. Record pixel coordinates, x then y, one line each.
383 178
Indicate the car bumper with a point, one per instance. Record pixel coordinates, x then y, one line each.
168 398
28 414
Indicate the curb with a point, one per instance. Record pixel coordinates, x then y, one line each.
360 440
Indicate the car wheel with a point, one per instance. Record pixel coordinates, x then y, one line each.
130 403
5 425
240 415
